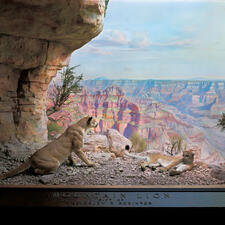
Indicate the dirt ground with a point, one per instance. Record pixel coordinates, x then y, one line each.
108 171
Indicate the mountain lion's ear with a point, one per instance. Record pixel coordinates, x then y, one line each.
89 120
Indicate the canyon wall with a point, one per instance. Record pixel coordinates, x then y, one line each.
112 108
36 40
189 109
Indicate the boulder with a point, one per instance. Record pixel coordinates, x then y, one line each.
117 142
112 142
95 142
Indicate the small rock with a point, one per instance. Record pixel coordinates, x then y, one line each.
121 169
71 173
89 171
79 165
45 179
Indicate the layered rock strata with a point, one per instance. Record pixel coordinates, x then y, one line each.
36 40
112 108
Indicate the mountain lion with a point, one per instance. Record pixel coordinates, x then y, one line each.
50 157
174 164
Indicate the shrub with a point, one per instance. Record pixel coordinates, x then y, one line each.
221 122
139 143
177 145
53 130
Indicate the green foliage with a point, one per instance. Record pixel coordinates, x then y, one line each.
139 143
177 145
53 129
221 122
106 4
70 83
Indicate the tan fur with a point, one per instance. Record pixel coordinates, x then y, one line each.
49 158
174 164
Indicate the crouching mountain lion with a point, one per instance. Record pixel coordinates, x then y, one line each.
174 164
47 159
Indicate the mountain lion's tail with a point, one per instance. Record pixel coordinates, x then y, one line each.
17 170
144 158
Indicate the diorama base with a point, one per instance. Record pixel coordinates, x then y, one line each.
112 196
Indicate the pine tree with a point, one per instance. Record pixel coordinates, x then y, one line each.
221 122
70 83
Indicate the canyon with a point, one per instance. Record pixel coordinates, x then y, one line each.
157 110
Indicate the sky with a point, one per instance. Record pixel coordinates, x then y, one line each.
157 39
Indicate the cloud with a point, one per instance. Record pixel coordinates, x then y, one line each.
140 40
118 38
189 29
137 41
127 68
112 38
175 43
92 49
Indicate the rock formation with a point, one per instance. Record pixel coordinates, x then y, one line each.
112 141
36 40
112 108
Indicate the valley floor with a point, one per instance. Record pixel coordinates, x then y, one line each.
109 171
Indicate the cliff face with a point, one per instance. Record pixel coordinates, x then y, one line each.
37 39
201 95
112 109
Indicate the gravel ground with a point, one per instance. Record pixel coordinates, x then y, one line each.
108 171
